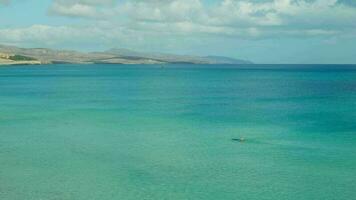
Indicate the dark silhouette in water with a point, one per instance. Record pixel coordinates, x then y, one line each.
241 139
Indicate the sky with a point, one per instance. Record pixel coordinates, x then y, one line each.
262 31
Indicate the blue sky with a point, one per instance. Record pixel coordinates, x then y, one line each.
263 31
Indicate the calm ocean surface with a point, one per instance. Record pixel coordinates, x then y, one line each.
107 132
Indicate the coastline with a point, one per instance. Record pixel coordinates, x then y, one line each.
20 63
111 56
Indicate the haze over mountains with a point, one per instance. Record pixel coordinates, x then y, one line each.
112 56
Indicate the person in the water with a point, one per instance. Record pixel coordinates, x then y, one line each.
241 139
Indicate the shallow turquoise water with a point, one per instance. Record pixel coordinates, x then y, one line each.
135 132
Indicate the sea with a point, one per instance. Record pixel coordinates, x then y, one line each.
180 132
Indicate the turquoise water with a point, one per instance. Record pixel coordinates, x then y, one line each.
134 132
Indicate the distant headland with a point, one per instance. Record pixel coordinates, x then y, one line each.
11 55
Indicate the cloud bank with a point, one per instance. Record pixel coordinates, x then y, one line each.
234 18
244 18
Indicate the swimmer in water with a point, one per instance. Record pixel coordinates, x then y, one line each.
241 139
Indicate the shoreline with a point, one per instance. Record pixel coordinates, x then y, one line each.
20 63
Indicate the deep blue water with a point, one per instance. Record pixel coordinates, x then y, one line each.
165 132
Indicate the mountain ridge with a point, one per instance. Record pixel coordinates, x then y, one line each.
111 56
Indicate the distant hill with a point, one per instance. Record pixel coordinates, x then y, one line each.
14 59
170 58
227 60
112 56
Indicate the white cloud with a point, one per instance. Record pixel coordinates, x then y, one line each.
85 2
243 18
113 22
75 10
71 36
81 8
36 33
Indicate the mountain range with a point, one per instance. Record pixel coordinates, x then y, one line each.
16 55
